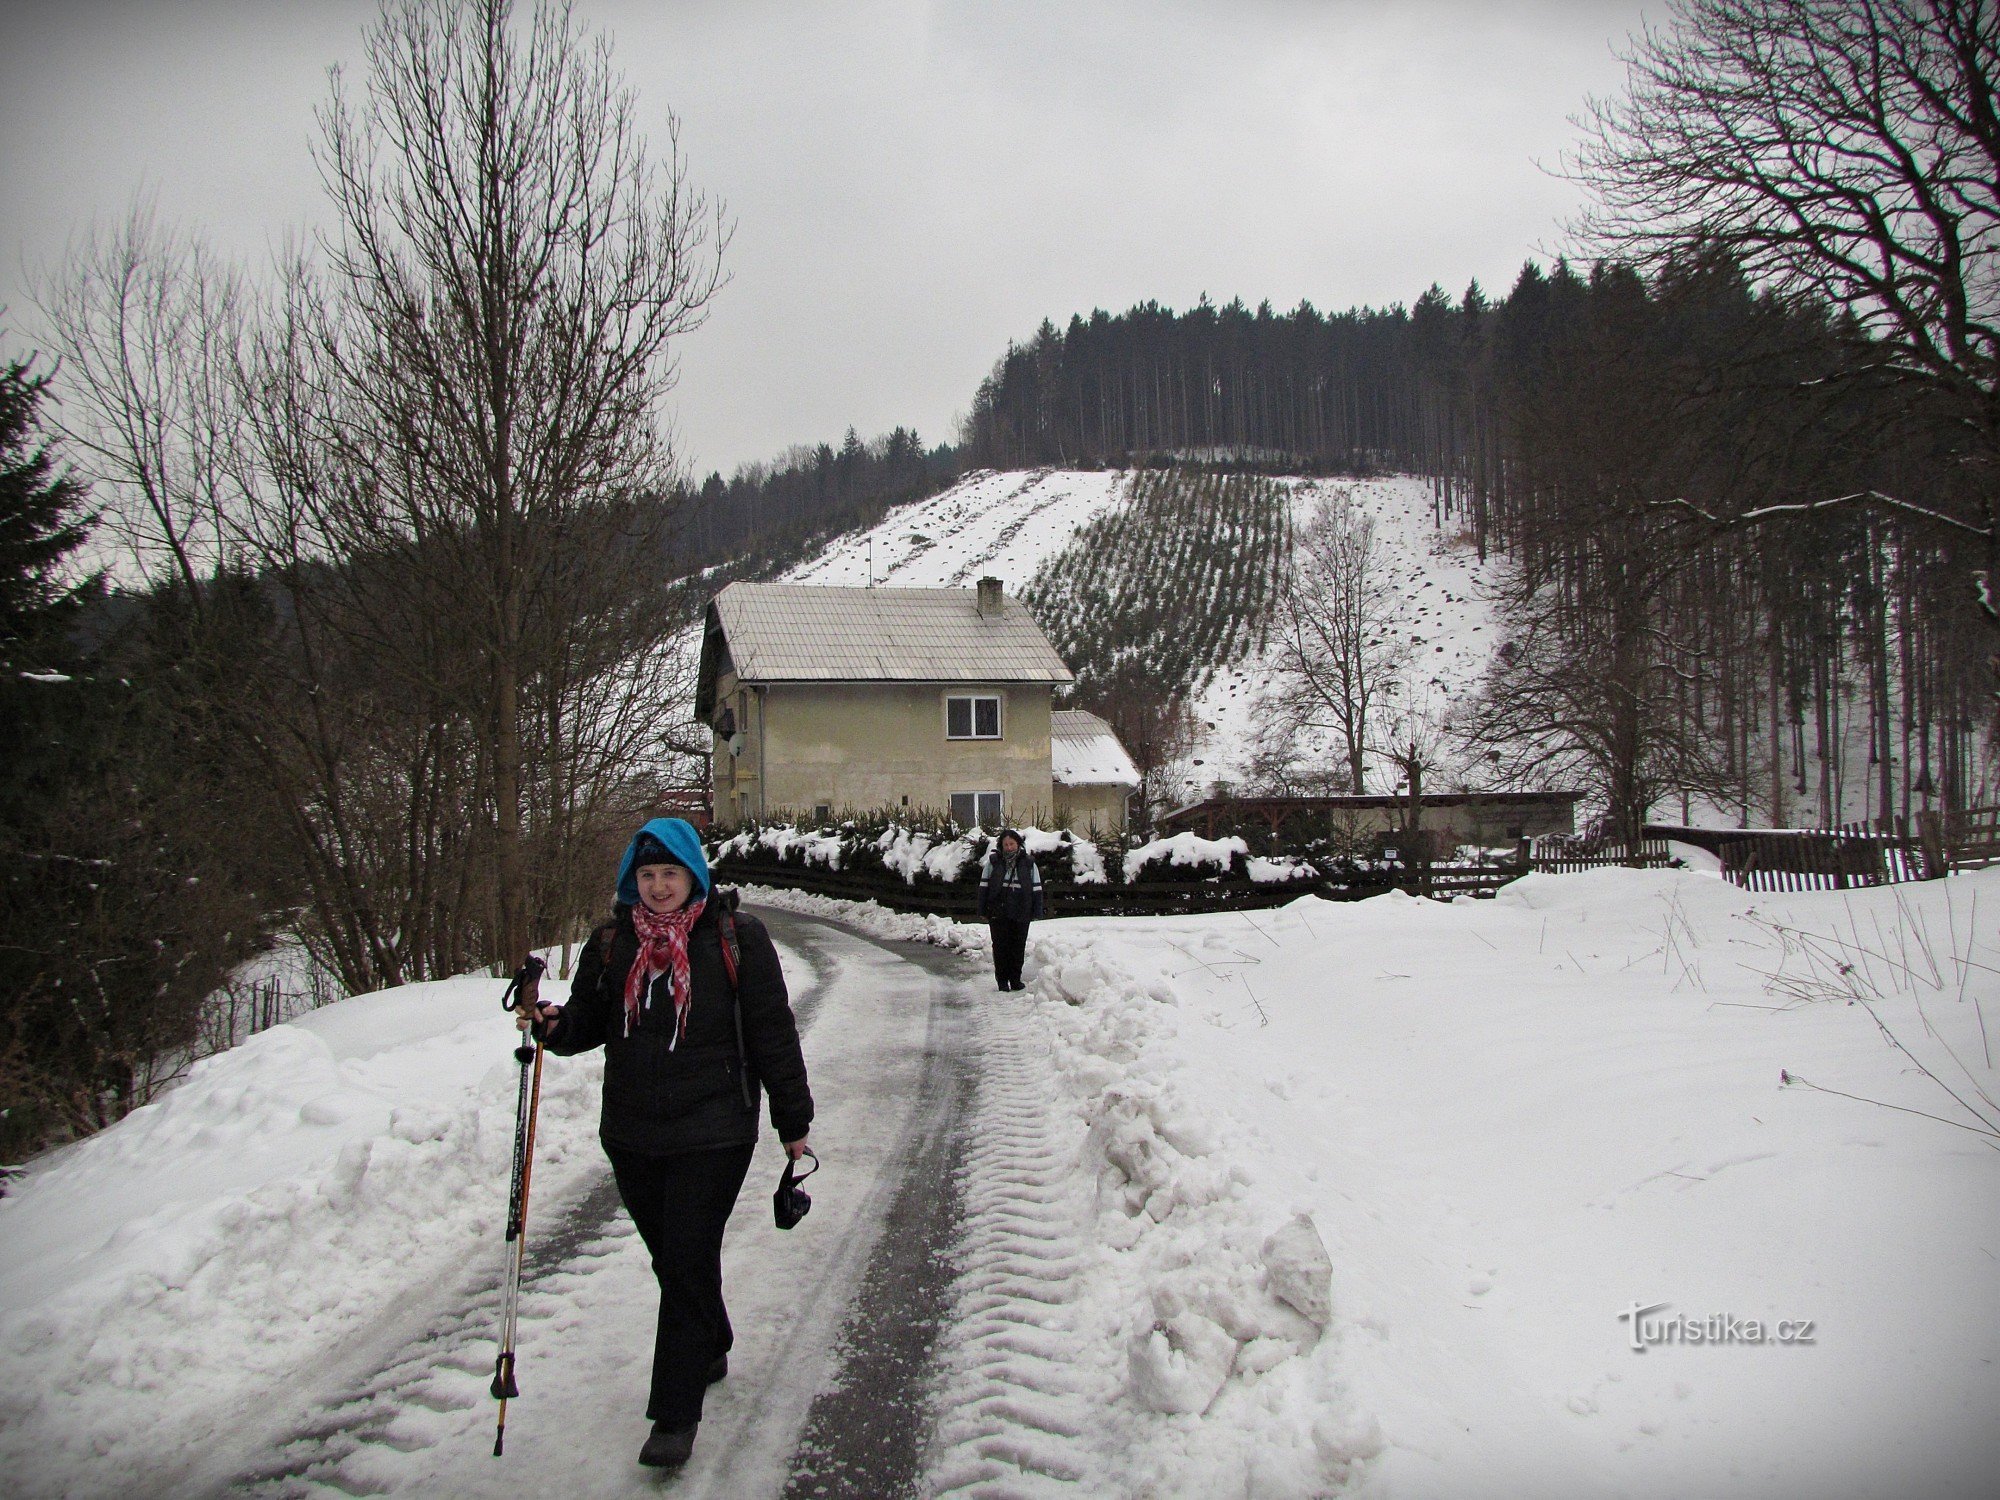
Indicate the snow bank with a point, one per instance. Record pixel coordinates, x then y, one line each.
877 920
1378 1184
161 1273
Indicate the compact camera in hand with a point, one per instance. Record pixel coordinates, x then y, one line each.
791 1202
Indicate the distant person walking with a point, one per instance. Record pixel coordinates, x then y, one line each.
1010 897
684 1053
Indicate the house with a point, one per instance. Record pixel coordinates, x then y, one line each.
828 699
1094 777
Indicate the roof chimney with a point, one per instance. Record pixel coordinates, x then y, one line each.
989 598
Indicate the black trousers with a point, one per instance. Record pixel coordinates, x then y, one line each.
681 1204
1010 947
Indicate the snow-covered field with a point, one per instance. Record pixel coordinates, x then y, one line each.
1337 1198
1511 1123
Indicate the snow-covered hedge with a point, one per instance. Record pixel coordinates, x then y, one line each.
916 852
923 853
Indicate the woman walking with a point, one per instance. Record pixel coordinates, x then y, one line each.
1010 897
686 1045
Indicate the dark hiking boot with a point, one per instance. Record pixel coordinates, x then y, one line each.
719 1370
666 1449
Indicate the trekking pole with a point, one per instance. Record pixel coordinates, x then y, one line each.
523 992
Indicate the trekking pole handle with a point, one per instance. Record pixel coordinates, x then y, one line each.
527 984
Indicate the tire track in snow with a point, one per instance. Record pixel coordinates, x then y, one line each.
1015 1421
864 1437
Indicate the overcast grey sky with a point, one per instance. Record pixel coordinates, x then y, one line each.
913 184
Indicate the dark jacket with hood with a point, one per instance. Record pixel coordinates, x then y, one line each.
1010 895
661 1100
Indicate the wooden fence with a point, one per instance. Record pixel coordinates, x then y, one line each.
1851 856
1973 837
1565 857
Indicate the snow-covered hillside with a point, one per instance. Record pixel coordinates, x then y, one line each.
1002 525
1442 609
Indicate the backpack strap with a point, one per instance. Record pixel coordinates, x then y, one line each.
732 964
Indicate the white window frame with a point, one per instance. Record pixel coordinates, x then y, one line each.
999 807
999 702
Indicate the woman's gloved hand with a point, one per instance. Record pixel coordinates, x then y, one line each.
543 1018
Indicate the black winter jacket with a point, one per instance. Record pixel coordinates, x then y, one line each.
1016 901
690 1098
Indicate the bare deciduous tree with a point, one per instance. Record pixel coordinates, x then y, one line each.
436 447
1415 733
508 273
144 321
1337 648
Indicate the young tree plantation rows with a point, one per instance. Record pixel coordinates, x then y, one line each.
1148 599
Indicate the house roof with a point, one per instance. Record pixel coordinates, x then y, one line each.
795 632
1084 751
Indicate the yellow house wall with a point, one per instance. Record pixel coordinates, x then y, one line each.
871 745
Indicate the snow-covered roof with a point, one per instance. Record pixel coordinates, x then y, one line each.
1083 751
799 632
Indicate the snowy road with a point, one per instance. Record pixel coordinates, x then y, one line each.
837 1322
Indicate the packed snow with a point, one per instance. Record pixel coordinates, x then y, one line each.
1383 1198
237 1264
162 1275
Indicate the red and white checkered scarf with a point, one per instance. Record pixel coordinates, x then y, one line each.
663 948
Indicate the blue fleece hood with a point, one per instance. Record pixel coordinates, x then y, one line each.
681 841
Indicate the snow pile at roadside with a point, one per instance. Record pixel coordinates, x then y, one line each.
159 1275
878 921
1508 1124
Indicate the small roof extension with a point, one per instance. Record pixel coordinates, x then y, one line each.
1084 751
797 632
